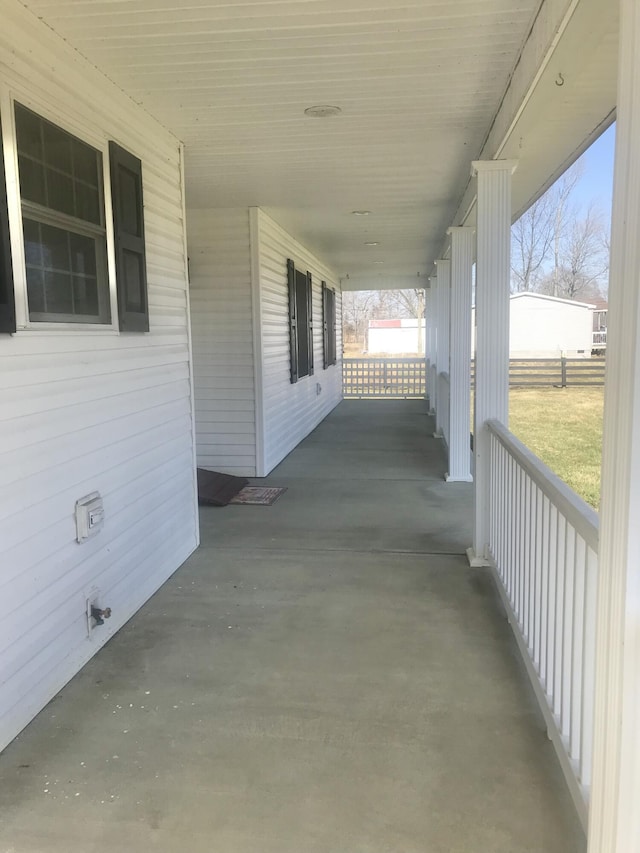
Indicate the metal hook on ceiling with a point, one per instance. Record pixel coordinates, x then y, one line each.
560 79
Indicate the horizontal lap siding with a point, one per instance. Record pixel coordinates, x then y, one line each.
83 411
220 273
292 411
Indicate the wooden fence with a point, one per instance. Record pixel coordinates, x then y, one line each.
558 372
406 377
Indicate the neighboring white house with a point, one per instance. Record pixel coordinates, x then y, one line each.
394 337
548 327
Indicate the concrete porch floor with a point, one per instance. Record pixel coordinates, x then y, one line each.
323 675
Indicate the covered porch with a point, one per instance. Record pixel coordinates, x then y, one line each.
324 674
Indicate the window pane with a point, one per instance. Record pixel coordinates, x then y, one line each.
134 278
55 248
28 129
88 203
57 293
60 192
32 186
83 255
35 290
57 147
85 295
86 162
129 202
32 243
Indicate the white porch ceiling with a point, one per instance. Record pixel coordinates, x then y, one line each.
418 82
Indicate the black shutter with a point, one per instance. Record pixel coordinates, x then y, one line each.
325 324
128 224
310 321
7 298
293 320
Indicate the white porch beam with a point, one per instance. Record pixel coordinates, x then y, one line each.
614 819
433 367
493 268
462 247
444 294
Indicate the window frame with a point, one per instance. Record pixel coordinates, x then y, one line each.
61 118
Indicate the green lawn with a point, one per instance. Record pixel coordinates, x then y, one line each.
563 426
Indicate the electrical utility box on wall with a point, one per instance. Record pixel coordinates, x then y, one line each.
89 516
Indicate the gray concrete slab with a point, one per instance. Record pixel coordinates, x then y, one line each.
281 695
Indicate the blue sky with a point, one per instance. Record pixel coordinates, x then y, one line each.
596 184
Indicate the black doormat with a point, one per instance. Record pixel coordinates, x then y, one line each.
215 489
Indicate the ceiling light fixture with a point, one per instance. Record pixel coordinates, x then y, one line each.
360 212
378 262
322 111
372 243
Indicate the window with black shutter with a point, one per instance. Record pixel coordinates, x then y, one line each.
329 324
128 223
300 322
7 300
65 240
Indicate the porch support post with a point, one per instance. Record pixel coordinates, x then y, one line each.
493 268
462 247
428 355
614 815
444 294
433 370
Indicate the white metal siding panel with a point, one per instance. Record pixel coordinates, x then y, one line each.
83 411
292 411
220 273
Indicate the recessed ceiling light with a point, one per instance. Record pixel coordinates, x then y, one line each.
322 111
378 262
372 243
360 212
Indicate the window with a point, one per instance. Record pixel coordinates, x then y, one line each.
300 322
329 324
65 242
62 203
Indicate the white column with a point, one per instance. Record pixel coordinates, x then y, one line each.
427 348
443 268
614 817
462 246
433 375
493 268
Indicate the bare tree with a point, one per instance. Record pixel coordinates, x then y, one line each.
358 307
531 240
560 195
583 261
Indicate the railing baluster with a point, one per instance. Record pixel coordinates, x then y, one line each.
588 664
577 647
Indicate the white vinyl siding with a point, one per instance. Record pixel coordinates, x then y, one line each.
84 410
221 308
291 411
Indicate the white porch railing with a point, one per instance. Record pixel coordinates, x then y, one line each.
442 414
543 546
600 339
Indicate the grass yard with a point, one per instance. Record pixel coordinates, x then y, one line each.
563 426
